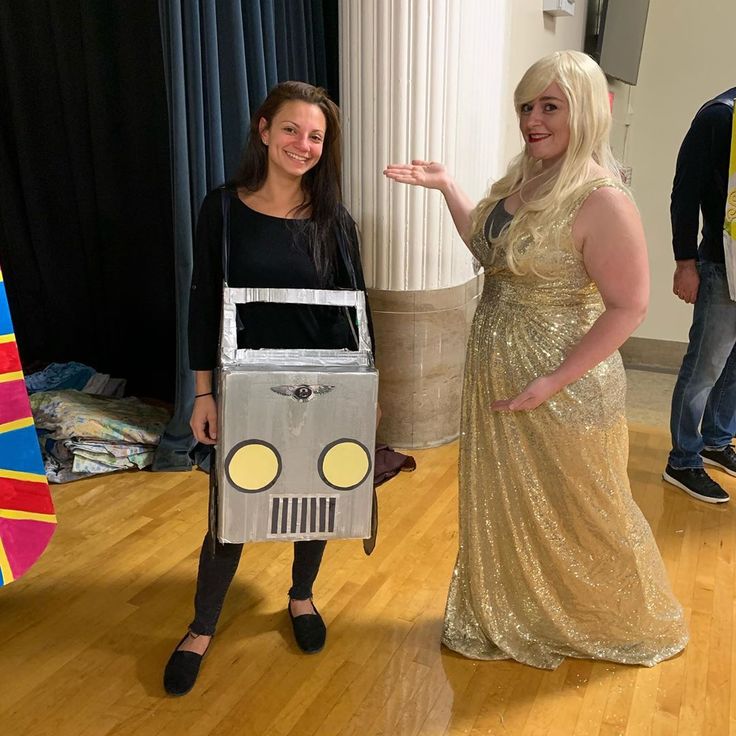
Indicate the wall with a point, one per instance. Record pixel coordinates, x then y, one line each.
531 35
688 57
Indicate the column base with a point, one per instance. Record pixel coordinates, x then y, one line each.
420 341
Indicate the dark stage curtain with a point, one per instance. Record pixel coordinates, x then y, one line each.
221 58
85 196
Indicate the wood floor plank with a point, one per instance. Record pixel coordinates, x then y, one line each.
85 634
600 682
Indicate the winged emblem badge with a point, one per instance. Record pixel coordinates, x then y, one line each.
302 392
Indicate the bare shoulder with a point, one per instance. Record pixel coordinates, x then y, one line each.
608 196
604 207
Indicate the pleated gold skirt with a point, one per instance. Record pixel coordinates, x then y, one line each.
555 558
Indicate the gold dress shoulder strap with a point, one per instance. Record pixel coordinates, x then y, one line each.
591 186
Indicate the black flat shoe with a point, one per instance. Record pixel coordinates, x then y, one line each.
310 631
182 669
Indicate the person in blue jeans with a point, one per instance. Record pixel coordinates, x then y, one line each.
703 418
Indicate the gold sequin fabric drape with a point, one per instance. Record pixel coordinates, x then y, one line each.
555 558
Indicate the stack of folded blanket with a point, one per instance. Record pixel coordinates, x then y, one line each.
83 434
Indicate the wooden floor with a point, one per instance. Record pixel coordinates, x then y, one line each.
85 635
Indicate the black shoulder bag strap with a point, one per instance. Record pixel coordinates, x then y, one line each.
342 245
214 497
369 544
225 202
342 238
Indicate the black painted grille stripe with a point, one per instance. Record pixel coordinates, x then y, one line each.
302 515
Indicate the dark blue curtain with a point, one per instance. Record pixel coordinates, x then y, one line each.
220 60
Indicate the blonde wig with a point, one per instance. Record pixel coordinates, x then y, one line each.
586 91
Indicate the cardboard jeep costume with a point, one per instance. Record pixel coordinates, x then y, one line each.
296 431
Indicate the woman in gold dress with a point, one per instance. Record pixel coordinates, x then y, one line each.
555 558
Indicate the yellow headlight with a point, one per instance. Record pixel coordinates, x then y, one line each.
344 464
253 465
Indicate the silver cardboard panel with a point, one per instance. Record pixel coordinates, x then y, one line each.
296 446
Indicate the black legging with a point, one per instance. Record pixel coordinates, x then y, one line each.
216 573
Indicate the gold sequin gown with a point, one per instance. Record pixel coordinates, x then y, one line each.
555 559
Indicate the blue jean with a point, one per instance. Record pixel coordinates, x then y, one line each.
704 400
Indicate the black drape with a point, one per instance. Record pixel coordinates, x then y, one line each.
85 200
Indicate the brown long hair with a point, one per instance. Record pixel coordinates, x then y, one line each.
321 185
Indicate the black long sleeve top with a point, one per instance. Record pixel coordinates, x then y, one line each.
701 183
269 252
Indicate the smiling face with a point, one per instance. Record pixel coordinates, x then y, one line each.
544 123
294 138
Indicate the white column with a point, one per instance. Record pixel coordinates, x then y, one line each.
419 79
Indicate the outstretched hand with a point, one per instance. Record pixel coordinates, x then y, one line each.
535 394
428 174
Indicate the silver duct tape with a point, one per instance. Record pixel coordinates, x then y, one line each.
228 329
323 358
326 297
314 297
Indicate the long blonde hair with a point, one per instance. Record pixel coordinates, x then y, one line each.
585 88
